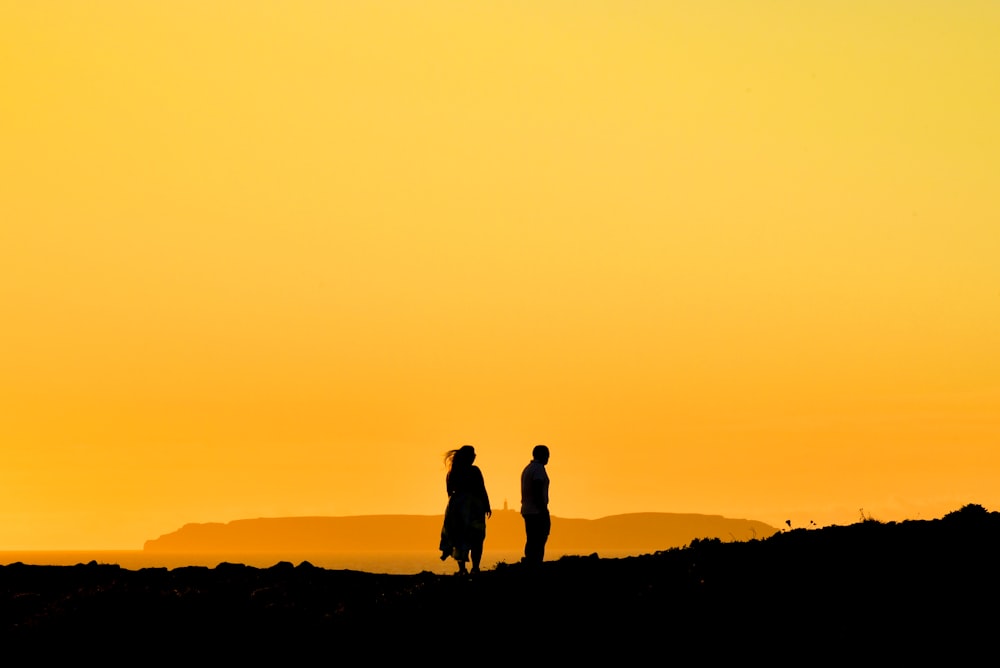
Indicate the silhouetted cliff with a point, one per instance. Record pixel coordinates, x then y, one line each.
919 592
637 532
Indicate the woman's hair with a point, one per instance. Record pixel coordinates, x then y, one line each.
464 456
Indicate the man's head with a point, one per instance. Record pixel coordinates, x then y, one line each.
540 453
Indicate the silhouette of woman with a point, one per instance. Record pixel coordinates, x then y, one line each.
464 530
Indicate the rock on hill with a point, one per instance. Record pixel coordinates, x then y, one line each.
637 532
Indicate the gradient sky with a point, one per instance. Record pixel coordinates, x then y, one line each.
264 259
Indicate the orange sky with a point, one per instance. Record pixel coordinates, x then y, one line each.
274 258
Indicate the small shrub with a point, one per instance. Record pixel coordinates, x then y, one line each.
868 519
970 511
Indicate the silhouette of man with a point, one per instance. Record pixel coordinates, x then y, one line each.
535 505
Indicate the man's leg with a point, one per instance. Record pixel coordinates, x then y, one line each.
534 544
544 528
528 539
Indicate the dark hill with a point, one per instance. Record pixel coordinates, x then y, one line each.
920 592
638 532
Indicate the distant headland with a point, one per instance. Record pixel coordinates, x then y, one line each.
638 532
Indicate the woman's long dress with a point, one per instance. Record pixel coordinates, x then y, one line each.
465 516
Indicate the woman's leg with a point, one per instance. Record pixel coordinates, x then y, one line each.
477 556
461 555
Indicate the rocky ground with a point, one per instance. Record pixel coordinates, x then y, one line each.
866 592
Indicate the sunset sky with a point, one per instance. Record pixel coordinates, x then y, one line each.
274 258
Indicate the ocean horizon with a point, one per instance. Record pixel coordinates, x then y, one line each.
394 563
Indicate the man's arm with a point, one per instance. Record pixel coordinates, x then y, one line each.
538 493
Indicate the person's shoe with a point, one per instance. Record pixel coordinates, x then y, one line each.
475 570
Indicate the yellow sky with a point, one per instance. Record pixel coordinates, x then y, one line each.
274 258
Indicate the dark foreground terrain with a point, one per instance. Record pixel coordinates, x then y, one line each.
867 592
